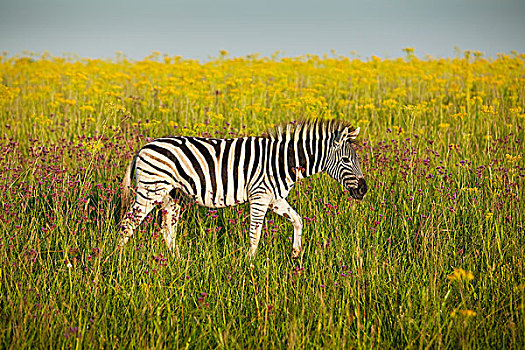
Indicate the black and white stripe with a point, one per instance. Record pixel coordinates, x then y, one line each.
223 172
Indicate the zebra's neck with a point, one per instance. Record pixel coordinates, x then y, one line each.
297 157
310 155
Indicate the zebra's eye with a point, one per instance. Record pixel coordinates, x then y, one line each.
346 159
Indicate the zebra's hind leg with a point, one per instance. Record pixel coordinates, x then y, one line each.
131 221
144 202
281 207
170 218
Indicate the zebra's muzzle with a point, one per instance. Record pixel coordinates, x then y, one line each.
360 191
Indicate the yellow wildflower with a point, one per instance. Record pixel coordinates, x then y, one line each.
87 108
466 313
460 275
512 158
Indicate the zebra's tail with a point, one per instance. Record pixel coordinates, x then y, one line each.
126 191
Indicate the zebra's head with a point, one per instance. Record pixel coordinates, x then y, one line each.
343 163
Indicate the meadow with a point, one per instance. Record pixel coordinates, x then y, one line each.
432 257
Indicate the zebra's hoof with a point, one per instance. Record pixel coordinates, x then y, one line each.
122 241
295 253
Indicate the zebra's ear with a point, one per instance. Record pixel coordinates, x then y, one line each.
353 134
344 135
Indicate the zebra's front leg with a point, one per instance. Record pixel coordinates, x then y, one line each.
258 209
170 218
281 207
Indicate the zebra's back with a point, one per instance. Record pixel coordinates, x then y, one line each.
216 172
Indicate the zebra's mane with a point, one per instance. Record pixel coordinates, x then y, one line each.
289 130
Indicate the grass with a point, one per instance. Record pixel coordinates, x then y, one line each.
432 257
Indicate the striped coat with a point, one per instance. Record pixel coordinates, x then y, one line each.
223 172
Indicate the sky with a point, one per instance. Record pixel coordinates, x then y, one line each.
201 28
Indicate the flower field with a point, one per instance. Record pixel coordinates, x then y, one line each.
433 256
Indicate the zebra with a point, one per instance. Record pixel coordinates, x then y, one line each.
218 173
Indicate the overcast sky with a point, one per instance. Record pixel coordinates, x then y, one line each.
200 28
